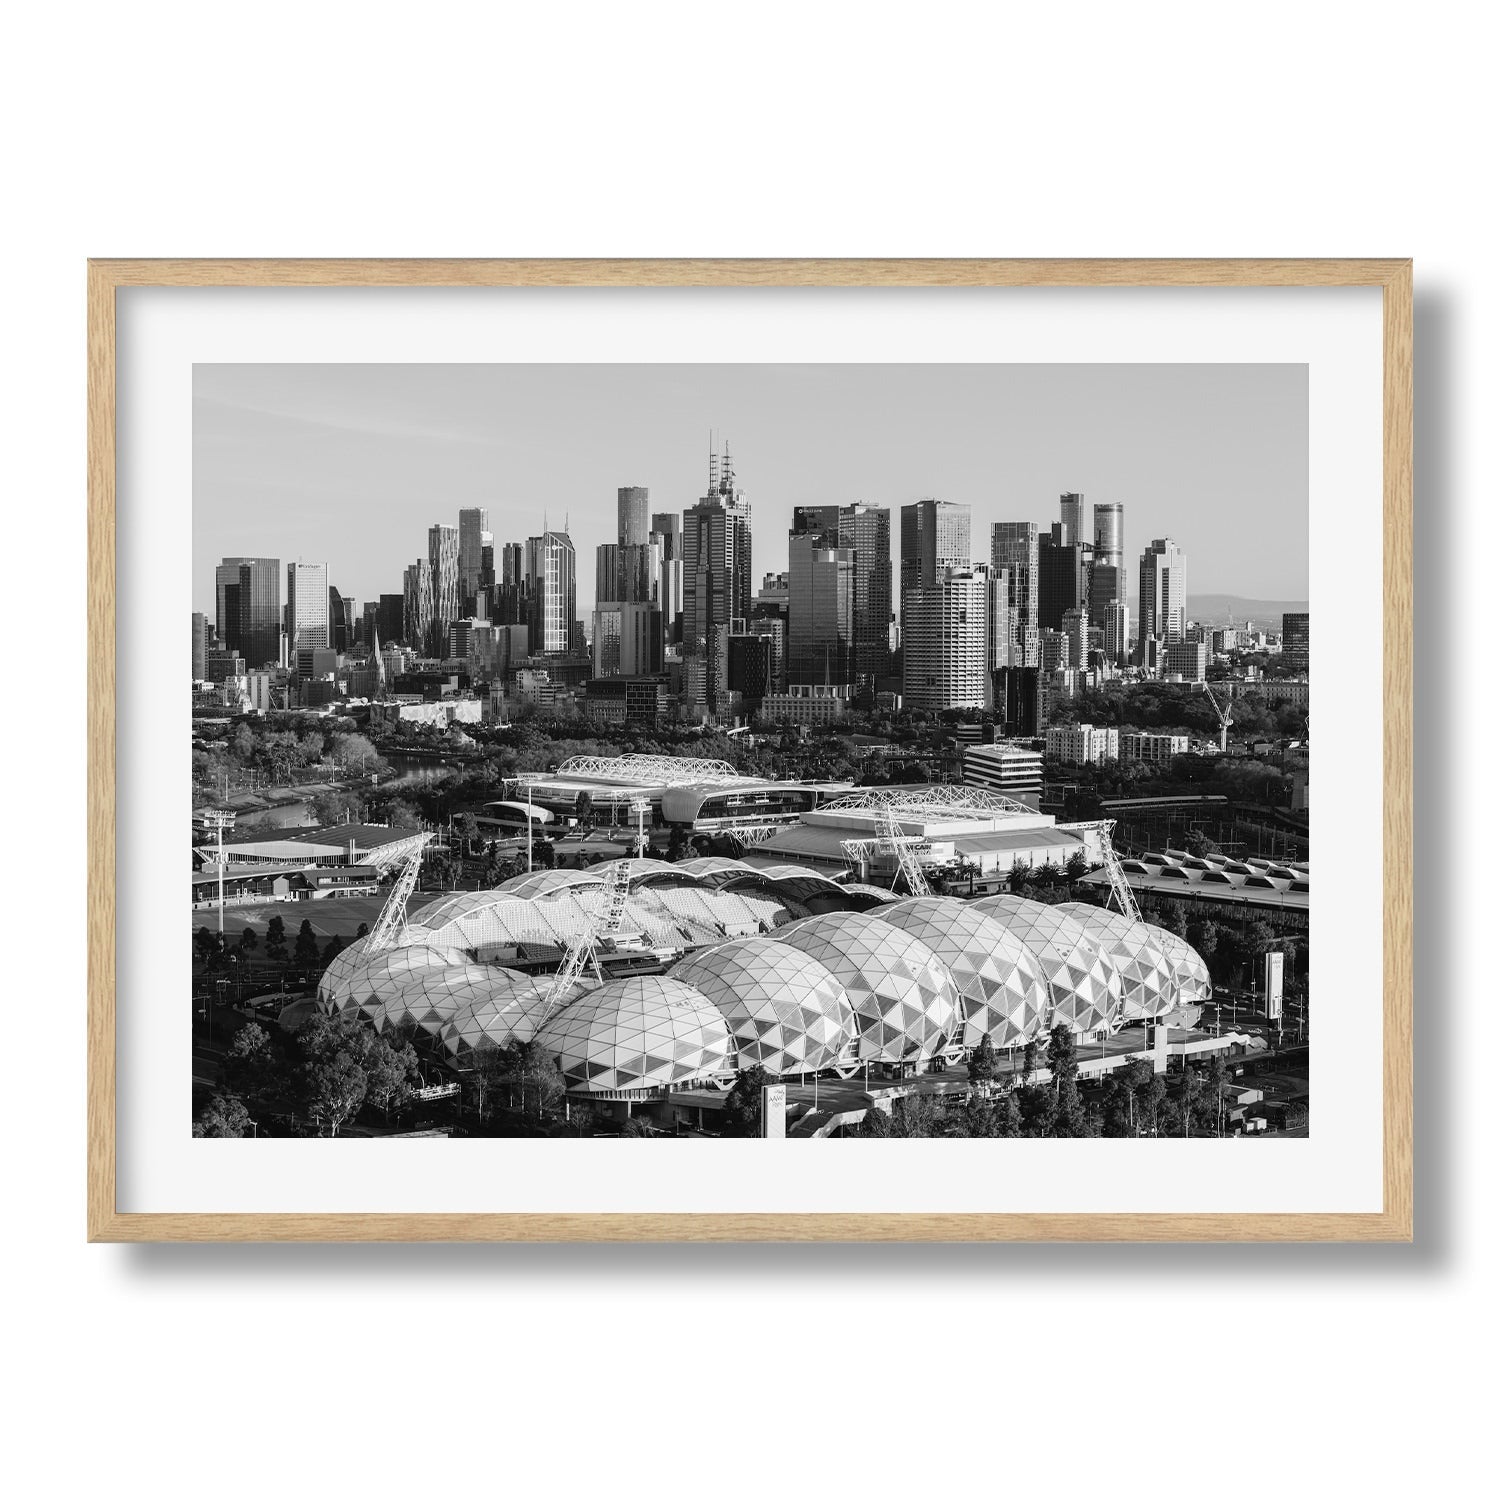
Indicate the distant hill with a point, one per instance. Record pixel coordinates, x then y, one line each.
1264 613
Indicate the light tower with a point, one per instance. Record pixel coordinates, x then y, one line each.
216 820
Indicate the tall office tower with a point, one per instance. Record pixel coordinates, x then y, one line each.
258 610
200 647
607 573
1015 546
1106 580
946 642
369 617
667 524
1109 536
1057 651
1106 589
1163 596
1004 652
511 601
552 593
608 624
633 503
226 618
640 640
1295 642
1117 633
390 618
820 604
1072 518
865 530
934 536
715 572
487 570
307 622
1058 572
416 605
472 525
1075 625
442 557
340 620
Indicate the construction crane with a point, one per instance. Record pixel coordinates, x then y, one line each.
392 919
1119 887
889 840
1222 709
582 953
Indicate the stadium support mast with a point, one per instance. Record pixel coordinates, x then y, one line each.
891 840
392 919
1119 887
583 951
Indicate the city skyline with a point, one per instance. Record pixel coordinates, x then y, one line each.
351 465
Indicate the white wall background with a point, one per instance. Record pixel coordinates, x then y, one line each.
159 129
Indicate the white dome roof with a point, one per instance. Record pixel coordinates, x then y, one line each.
784 1010
357 980
649 1031
904 999
1149 977
508 1013
1087 992
1002 990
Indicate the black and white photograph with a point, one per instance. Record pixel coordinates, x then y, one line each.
785 751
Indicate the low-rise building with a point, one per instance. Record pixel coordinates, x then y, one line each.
806 703
1011 770
442 712
1154 749
1082 744
1187 660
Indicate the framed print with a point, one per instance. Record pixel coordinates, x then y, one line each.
847 723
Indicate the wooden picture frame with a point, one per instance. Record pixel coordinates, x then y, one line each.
1394 1221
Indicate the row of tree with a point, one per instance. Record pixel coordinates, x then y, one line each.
213 952
326 1071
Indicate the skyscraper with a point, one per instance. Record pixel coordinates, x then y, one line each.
472 526
633 502
1295 642
226 620
946 642
934 536
1106 582
512 600
1163 597
1072 518
259 605
1109 536
716 562
389 618
442 558
552 591
200 648
1015 546
1059 571
307 622
416 605
866 531
820 604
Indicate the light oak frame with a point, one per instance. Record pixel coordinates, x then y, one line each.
1394 1222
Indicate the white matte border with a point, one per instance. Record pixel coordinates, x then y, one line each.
163 332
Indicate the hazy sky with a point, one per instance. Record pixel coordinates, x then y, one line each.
350 464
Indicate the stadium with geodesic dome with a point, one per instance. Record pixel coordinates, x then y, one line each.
751 966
